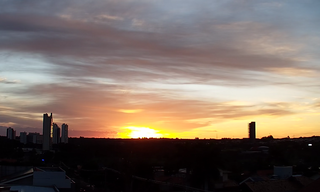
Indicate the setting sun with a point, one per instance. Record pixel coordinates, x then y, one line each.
140 132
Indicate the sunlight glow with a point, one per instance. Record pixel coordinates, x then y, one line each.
130 110
141 132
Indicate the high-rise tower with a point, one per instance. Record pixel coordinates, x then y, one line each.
11 133
64 133
23 137
47 126
252 131
56 134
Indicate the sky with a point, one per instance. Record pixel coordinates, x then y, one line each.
175 69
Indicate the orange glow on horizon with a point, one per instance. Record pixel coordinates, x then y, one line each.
140 132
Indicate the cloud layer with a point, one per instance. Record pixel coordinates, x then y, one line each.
177 67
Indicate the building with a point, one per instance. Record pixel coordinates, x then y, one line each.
47 126
44 179
33 137
23 137
252 131
11 133
39 139
64 133
55 134
281 180
282 172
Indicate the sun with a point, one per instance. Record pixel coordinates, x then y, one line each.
140 132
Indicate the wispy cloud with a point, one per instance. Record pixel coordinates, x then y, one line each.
6 81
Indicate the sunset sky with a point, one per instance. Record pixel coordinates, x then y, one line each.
178 68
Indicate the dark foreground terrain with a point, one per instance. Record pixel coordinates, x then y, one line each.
172 164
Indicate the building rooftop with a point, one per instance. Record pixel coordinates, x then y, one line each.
48 169
280 185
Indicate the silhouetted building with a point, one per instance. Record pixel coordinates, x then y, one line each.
64 133
39 139
33 137
44 179
47 126
11 133
282 172
23 137
56 134
252 131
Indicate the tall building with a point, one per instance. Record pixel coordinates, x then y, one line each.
11 133
33 137
252 131
47 126
64 133
56 134
23 137
39 139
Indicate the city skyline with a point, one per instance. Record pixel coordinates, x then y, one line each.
50 134
186 69
61 135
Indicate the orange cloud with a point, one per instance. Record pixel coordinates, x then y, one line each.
130 110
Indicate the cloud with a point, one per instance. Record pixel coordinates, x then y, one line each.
111 64
317 104
109 17
101 49
92 133
93 106
130 110
6 81
294 71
